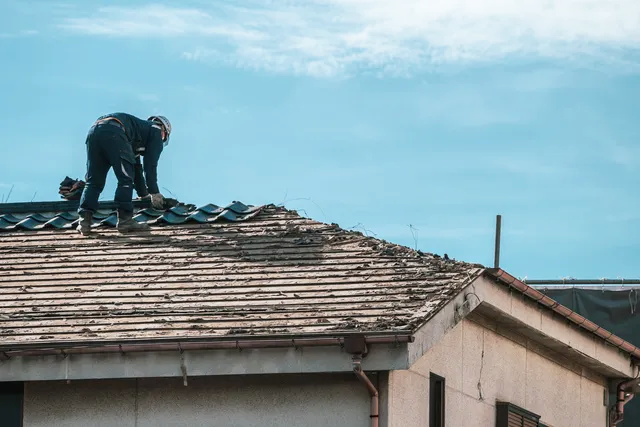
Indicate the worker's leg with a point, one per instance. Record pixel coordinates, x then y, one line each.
121 157
97 169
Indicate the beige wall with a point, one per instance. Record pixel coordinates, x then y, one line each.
481 367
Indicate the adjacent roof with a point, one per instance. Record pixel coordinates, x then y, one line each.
208 272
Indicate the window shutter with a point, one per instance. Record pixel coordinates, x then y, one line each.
509 415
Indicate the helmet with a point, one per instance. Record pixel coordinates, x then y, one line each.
164 122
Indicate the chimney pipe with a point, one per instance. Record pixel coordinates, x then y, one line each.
496 261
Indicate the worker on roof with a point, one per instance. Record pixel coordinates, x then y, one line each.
118 141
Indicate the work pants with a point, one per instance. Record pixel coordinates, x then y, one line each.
107 147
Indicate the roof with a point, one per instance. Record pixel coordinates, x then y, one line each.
208 272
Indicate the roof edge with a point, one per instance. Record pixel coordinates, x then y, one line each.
473 276
205 344
583 322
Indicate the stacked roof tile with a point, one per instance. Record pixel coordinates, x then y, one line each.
63 215
209 272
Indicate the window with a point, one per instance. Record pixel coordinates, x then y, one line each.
436 400
11 404
509 415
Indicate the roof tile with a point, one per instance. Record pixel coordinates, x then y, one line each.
66 219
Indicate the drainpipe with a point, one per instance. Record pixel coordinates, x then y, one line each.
624 396
357 369
356 345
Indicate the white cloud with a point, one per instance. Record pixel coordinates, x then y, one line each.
334 37
158 21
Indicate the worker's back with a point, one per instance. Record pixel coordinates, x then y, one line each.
137 130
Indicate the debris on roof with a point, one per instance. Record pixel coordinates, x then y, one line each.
209 272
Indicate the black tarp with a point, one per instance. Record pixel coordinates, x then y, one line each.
616 310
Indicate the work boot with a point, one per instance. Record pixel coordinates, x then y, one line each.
126 223
84 225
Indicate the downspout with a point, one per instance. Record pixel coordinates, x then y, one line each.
357 369
624 396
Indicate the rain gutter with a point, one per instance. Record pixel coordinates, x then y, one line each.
182 345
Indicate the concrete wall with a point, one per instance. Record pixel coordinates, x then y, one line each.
252 401
481 367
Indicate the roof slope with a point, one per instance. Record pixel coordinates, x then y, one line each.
219 272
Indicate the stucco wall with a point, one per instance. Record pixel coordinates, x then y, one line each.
481 367
291 400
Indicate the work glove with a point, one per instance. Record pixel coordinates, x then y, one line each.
157 201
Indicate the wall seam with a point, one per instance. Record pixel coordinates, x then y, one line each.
580 402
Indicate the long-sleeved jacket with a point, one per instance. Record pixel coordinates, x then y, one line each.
146 140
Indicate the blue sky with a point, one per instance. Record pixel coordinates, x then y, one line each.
417 121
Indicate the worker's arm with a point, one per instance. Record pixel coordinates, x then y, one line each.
151 158
139 182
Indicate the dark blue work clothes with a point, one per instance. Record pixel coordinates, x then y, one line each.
110 145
